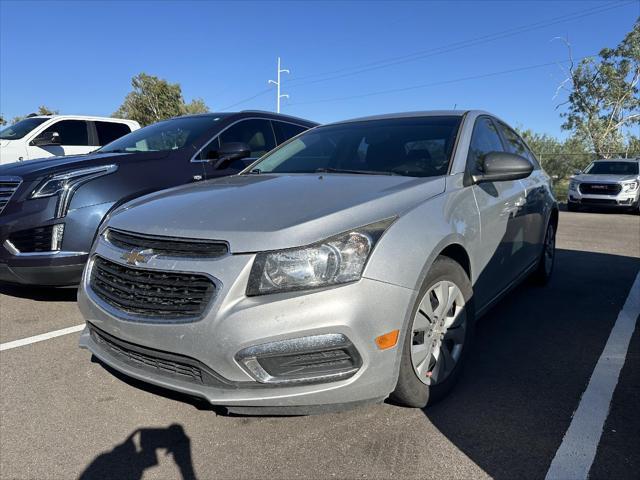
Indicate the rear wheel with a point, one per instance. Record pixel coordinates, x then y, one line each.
438 336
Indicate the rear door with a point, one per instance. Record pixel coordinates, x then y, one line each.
500 205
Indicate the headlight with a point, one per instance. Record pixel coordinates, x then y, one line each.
337 260
64 184
630 187
573 185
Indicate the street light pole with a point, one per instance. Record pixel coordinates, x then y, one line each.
277 84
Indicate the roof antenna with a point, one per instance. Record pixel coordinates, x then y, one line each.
455 105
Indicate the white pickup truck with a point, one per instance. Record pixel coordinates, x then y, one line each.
47 136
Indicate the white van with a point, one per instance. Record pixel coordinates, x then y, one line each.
47 136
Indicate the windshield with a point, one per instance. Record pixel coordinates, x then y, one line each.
166 135
20 129
609 167
416 147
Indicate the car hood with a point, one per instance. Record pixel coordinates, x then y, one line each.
30 169
585 177
268 212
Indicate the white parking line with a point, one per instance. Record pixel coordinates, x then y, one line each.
578 448
40 338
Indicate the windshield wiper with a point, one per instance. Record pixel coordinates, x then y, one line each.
358 172
117 150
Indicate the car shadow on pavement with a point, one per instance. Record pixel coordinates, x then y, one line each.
532 357
40 294
139 451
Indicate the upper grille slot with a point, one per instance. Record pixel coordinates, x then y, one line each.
8 186
167 246
152 294
600 188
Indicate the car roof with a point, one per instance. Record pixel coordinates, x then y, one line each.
251 113
85 117
416 114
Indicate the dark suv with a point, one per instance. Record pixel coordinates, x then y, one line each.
50 209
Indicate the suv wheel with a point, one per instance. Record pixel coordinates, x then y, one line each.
438 336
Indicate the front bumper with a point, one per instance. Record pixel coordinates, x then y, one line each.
234 323
621 200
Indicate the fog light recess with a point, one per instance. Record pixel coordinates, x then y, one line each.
313 359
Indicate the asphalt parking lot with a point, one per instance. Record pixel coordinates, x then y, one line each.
64 417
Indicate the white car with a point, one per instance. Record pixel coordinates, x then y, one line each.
55 135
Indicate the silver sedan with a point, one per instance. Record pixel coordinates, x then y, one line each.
347 266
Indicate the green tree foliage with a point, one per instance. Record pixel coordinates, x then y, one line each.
603 96
42 110
153 99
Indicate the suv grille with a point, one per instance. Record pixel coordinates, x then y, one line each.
600 188
8 186
33 240
153 294
167 246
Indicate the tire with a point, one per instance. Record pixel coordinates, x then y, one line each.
410 390
544 270
571 207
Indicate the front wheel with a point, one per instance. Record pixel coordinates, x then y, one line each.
542 273
437 339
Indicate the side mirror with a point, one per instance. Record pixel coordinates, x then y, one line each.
46 138
230 152
502 166
577 172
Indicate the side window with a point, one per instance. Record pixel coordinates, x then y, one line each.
516 145
255 133
484 140
210 151
72 132
110 131
285 131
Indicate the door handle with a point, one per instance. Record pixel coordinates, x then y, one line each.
197 178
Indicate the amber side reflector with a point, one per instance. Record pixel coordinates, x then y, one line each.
387 340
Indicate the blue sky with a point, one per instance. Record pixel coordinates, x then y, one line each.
79 57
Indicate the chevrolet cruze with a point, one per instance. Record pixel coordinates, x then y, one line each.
347 266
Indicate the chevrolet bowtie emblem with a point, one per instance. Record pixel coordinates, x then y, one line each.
135 257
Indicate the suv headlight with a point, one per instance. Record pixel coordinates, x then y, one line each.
630 187
64 184
573 185
337 260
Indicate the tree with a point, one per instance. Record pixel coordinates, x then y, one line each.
197 105
42 110
2 120
603 96
154 99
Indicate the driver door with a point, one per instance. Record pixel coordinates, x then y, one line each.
501 217
256 133
74 140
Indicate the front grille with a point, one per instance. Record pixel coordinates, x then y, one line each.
600 188
153 294
167 246
33 240
8 186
